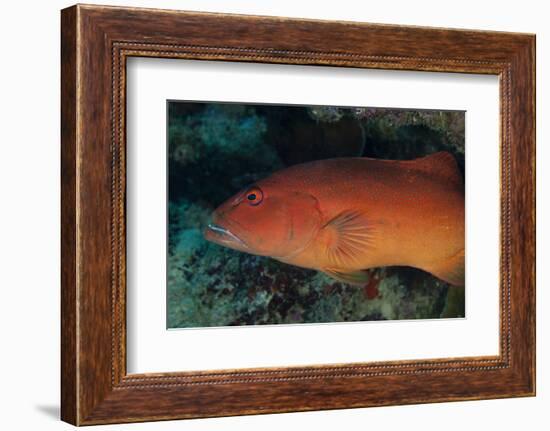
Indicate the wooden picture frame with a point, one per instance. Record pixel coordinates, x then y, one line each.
96 41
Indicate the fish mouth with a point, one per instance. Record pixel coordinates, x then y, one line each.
221 235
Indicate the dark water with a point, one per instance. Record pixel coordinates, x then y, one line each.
214 150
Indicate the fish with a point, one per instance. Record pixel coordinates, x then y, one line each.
344 216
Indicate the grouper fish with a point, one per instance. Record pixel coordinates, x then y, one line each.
343 216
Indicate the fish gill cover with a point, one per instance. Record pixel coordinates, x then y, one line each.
216 149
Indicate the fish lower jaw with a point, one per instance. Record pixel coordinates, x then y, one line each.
223 236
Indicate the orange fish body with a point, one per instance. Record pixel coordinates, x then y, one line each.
342 216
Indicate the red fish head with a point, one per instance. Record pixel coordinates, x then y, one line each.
266 220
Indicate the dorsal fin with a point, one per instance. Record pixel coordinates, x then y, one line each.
441 165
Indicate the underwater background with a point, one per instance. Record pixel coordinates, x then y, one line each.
216 149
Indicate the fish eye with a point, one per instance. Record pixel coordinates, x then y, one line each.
254 196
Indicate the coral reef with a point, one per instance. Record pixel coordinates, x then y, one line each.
216 149
403 133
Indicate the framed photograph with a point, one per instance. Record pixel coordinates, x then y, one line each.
264 214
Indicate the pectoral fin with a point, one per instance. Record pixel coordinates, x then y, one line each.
346 239
353 277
